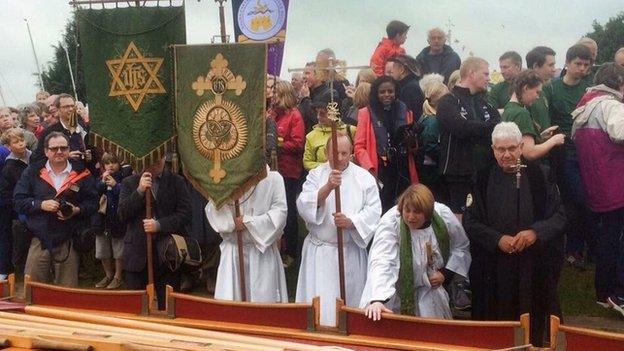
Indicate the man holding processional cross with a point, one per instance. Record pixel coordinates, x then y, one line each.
338 236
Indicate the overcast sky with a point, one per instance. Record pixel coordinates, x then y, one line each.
352 28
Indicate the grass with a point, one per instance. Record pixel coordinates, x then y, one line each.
577 294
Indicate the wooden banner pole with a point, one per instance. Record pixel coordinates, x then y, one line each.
241 256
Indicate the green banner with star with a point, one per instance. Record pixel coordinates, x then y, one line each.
127 65
220 117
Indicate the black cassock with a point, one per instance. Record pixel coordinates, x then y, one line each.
505 285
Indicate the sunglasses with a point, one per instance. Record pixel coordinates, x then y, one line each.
59 148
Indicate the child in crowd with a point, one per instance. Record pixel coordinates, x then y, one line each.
390 46
14 165
109 245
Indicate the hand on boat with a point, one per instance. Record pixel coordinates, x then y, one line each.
375 309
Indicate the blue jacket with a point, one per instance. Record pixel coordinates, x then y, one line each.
35 185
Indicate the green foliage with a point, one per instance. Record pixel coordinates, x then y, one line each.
56 77
610 37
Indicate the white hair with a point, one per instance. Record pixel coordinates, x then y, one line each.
506 130
427 79
436 30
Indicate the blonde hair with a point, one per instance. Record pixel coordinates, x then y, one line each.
366 75
433 92
453 79
470 65
361 95
10 134
428 79
285 95
418 198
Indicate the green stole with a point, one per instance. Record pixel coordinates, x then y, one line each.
406 269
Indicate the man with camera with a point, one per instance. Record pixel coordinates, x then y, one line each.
171 212
56 194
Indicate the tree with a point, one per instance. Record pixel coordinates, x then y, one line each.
56 77
609 37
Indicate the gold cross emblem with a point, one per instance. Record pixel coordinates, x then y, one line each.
219 127
219 80
135 76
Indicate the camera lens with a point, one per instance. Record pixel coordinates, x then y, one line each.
65 208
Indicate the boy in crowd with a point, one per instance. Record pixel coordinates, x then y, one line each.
14 165
109 246
390 46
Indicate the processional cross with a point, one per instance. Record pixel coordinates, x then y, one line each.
327 70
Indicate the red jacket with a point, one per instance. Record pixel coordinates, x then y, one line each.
384 50
365 145
291 139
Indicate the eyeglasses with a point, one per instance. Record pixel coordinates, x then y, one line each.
502 150
59 148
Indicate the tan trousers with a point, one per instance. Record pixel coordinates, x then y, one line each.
62 261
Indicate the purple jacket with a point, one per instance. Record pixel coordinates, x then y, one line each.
598 132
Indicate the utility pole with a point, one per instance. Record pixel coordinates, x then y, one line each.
34 54
222 20
71 73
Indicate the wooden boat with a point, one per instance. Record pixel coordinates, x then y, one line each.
290 326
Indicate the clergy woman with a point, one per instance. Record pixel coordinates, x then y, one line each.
262 219
361 208
418 245
515 225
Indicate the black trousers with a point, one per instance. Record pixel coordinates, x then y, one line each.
291 231
162 277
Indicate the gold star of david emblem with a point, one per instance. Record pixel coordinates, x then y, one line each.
135 76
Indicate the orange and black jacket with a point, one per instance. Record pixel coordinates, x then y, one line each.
36 185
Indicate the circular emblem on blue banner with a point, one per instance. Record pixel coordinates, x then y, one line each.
261 19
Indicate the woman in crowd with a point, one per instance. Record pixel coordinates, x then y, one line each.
290 142
31 120
418 245
384 141
428 155
537 135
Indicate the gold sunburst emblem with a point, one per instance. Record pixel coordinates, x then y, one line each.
219 133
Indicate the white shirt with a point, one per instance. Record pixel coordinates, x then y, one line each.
58 178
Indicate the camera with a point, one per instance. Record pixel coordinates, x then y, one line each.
65 208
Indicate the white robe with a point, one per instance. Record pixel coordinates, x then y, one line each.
318 273
264 214
384 264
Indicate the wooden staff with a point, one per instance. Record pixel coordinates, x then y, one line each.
334 140
148 237
241 257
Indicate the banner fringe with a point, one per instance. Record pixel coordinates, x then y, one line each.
137 163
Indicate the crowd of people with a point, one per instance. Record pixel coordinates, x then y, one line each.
455 193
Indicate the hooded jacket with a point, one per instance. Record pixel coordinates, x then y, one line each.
598 132
444 63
